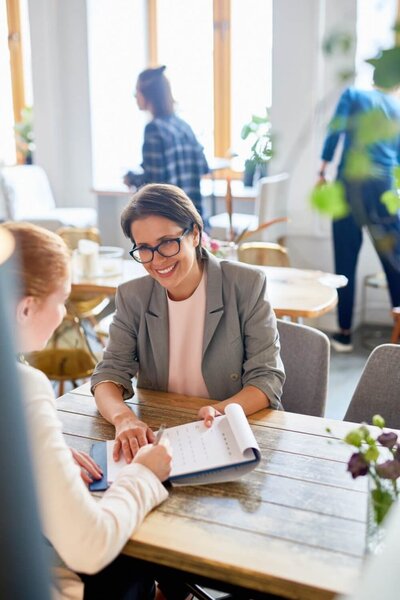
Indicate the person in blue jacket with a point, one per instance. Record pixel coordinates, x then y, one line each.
366 170
171 152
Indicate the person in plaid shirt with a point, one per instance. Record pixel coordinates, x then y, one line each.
171 152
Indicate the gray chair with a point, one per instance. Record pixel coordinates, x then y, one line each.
378 390
305 353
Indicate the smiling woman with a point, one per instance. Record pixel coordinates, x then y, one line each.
194 325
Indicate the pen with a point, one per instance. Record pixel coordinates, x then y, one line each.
159 434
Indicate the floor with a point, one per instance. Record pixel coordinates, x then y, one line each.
346 368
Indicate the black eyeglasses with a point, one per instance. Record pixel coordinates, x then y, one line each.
167 248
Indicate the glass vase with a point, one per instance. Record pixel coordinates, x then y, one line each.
380 498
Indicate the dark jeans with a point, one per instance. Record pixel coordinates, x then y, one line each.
368 211
120 580
129 579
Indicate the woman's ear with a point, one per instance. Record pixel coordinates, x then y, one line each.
26 308
196 235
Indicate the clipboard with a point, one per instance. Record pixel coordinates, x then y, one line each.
200 455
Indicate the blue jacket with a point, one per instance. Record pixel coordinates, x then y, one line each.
353 104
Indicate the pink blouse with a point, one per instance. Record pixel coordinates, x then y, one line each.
186 331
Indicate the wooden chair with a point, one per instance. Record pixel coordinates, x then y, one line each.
72 235
378 389
263 253
396 327
305 353
84 304
270 202
67 356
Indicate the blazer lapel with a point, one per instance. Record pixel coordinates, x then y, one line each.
214 307
157 327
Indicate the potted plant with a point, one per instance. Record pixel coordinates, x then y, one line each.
376 456
258 129
25 135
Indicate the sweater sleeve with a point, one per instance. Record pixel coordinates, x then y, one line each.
87 534
338 125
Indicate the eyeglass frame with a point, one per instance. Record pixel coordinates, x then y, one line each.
156 248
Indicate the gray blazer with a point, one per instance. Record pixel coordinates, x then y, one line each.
240 344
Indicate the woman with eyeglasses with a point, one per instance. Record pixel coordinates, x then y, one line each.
194 325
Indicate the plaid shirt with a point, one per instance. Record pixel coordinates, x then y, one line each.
172 154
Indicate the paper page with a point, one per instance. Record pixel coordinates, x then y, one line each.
241 430
197 448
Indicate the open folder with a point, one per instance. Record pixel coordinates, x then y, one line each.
200 454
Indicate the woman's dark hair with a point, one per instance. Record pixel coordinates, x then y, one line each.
162 200
156 89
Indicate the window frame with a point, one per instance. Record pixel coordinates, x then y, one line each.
16 62
222 71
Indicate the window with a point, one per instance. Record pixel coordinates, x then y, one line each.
15 73
218 55
7 140
117 53
375 21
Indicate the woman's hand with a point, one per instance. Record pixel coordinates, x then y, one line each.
156 458
208 414
89 469
130 435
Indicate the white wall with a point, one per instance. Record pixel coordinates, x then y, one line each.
305 91
302 77
61 98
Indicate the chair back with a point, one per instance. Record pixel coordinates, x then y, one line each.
67 356
378 389
305 353
72 235
263 253
28 192
271 202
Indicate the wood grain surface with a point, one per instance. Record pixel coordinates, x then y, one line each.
295 526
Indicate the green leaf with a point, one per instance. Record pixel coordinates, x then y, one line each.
354 438
387 68
338 42
374 126
372 454
392 201
245 132
260 120
378 421
329 199
358 165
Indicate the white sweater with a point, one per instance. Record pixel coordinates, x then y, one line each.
86 533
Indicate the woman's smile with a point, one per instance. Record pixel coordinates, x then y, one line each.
179 274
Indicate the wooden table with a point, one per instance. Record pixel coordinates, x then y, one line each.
292 292
295 526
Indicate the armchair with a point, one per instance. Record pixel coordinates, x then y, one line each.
28 197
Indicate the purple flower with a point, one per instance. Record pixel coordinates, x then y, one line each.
389 469
387 439
357 465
